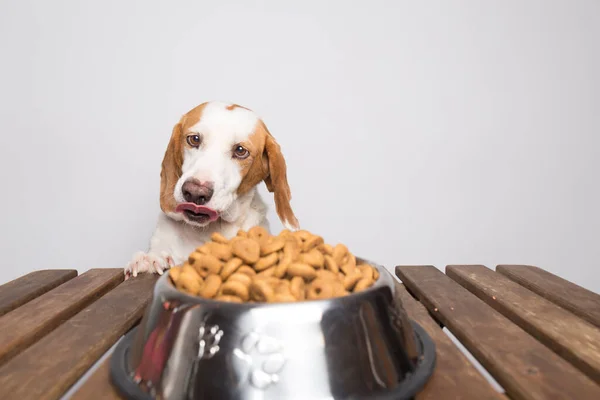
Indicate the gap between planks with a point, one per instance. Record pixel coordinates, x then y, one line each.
570 336
455 375
523 366
47 369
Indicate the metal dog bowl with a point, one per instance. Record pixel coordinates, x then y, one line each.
362 346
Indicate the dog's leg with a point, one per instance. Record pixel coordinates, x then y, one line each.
162 253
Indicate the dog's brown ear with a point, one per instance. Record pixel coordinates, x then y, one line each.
171 170
276 181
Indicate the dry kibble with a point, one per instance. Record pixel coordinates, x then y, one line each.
211 286
319 289
219 250
218 238
351 280
256 267
326 249
231 267
297 288
229 299
363 284
266 262
189 282
246 249
240 277
304 271
258 233
303 235
174 273
246 270
313 258
366 270
331 265
235 288
281 269
261 291
271 246
283 298
282 287
312 243
339 253
269 272
349 264
205 264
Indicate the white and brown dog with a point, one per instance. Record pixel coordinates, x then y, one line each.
217 156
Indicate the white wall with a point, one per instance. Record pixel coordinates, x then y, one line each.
415 132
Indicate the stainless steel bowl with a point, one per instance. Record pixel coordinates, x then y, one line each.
362 346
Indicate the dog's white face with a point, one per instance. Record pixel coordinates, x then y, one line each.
217 154
215 148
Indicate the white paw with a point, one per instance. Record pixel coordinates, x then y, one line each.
148 262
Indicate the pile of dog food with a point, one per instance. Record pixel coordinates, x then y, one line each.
258 267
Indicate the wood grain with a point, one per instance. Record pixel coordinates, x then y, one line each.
98 386
48 368
579 301
522 365
17 292
454 376
28 323
571 337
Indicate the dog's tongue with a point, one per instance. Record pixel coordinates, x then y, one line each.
212 214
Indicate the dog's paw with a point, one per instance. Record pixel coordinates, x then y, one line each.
148 262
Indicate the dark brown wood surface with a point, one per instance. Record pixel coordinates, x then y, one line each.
571 337
48 368
98 386
574 298
454 376
28 323
522 365
17 292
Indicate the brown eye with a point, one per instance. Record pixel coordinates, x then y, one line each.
240 152
193 140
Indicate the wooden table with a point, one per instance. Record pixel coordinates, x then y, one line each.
536 334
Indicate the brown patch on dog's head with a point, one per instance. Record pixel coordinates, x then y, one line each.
232 107
268 165
173 158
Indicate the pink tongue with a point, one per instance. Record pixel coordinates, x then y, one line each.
212 214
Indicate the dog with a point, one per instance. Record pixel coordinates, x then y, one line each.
217 156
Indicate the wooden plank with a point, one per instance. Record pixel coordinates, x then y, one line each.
522 365
98 386
571 337
454 376
48 368
28 323
17 292
579 301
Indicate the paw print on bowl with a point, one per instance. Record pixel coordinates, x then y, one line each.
209 338
265 358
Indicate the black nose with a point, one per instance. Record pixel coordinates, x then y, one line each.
197 192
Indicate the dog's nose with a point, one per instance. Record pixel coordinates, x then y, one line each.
197 192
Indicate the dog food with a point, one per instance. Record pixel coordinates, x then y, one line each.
256 267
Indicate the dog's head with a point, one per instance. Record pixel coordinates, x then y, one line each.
218 153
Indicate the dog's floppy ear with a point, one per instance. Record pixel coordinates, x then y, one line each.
171 170
276 181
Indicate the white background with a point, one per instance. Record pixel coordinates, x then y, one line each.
440 132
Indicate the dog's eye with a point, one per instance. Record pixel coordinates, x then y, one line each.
240 152
193 140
